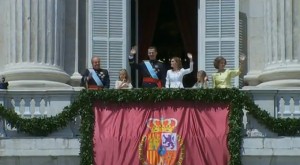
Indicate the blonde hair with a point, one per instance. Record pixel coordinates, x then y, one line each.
127 78
178 61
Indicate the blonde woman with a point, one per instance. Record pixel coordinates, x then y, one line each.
175 75
124 80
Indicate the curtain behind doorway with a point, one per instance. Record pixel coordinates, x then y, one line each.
186 12
148 12
186 19
147 18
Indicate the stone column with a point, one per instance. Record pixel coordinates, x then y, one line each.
282 38
254 10
76 76
36 44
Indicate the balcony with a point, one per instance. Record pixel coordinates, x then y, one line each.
260 146
59 148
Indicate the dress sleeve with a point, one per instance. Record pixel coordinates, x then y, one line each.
234 72
117 85
189 70
129 85
205 85
167 79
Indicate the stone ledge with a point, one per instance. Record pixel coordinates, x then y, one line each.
39 147
281 146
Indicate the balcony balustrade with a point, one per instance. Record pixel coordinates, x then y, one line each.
259 142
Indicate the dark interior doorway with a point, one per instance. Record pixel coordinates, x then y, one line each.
167 36
171 26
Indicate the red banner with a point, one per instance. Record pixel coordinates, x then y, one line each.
162 133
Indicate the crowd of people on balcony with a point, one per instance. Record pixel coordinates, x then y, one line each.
155 75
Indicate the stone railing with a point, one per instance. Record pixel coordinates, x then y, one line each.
39 103
288 104
281 103
28 104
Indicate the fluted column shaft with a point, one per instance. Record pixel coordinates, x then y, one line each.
37 42
282 28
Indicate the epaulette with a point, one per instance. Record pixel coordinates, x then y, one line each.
160 61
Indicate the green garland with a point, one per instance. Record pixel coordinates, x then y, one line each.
40 126
83 106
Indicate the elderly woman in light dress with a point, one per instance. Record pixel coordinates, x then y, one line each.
222 78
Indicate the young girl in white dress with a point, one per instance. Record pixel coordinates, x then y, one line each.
201 80
175 75
124 80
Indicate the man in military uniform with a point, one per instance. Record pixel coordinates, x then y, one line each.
152 71
95 78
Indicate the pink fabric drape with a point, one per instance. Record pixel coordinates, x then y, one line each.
125 134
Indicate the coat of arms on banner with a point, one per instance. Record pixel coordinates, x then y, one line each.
161 146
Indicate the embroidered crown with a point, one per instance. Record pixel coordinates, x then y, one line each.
162 125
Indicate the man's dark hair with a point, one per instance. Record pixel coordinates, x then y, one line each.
153 47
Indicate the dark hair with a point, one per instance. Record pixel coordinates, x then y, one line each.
218 60
178 61
153 47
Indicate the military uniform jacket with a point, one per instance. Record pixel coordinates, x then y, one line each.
157 65
101 73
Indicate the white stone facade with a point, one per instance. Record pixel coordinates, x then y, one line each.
273 34
43 48
39 44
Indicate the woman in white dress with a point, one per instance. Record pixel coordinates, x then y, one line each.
175 75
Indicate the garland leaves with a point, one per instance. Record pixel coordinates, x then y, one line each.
40 126
83 106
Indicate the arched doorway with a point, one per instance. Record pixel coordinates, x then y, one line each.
171 26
